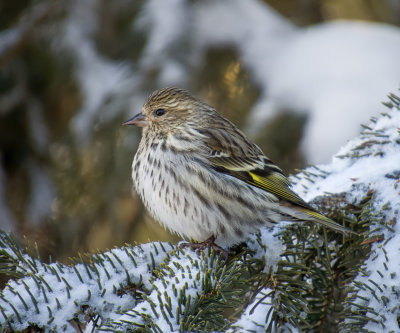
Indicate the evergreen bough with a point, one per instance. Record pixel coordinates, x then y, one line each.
295 278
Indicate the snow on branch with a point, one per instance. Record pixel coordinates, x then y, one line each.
54 296
298 277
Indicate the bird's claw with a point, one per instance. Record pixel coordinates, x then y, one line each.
208 243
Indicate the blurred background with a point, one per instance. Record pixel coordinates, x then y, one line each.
297 76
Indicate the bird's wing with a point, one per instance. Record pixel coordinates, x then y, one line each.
229 151
260 172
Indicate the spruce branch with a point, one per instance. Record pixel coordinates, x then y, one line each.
58 297
295 277
190 294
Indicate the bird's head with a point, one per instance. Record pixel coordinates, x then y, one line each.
171 109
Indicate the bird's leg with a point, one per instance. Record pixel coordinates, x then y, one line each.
209 242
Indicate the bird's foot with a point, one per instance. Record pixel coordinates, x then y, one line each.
208 243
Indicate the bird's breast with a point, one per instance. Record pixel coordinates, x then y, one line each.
187 196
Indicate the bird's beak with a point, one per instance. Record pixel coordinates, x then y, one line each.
138 120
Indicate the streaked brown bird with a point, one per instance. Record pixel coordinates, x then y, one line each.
202 178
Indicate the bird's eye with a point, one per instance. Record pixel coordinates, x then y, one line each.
159 112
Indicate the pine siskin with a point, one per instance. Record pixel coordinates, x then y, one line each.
200 177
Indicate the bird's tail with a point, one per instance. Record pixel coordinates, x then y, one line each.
311 215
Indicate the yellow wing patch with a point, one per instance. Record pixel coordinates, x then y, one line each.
278 185
249 169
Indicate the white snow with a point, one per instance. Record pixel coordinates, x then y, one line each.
267 246
68 288
371 169
186 276
165 22
337 73
255 318
376 168
101 80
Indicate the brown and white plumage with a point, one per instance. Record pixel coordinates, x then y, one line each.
200 176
